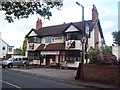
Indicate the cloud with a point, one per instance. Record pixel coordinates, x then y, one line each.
14 33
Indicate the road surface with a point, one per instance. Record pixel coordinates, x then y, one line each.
17 80
11 79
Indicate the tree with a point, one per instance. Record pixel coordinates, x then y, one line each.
19 10
107 50
93 54
24 46
116 36
18 51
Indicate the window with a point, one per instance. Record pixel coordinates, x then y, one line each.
72 36
3 48
25 59
56 37
20 59
15 59
30 39
67 58
73 58
48 39
37 39
10 49
30 55
72 45
33 55
34 39
37 55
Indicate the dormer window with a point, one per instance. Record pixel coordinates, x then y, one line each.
37 40
34 39
72 36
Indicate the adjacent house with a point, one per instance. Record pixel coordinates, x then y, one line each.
116 51
5 48
64 42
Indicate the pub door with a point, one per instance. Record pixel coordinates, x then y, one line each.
47 60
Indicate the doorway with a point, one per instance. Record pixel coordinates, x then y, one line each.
48 60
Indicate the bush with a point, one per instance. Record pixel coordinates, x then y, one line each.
107 59
93 54
96 57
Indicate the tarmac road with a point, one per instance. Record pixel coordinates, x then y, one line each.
46 78
11 79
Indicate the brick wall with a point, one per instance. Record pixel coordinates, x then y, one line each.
102 73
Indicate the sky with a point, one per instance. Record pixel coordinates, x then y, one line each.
14 33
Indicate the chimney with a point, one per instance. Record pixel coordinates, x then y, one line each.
94 13
96 30
38 24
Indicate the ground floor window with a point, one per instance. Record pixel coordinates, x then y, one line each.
37 55
34 55
30 55
72 58
69 56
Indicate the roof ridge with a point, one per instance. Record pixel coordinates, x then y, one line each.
63 24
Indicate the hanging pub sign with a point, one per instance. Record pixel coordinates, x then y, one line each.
87 29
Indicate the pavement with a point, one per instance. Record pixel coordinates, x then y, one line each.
64 76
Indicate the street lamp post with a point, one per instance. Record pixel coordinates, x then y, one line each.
83 43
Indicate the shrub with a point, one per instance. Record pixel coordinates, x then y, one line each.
108 50
93 54
107 59
96 57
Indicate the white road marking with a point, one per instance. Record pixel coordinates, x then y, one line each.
10 84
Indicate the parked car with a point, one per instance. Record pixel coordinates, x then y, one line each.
15 61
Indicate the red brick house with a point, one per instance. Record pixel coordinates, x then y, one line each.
63 42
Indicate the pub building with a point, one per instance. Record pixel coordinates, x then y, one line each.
58 43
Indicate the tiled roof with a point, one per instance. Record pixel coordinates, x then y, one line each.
57 29
56 46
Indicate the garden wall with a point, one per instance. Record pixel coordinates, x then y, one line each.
102 73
